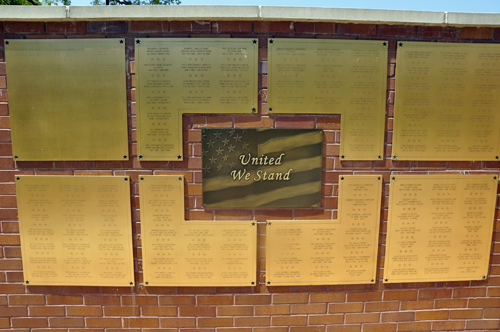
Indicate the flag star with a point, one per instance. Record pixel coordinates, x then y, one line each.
217 134
225 141
211 144
231 148
206 169
245 146
219 151
238 154
237 138
213 160
225 157
205 153
219 167
231 132
232 164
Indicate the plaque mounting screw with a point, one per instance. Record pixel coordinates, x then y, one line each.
254 41
484 277
180 179
342 178
372 280
254 110
378 178
386 279
253 282
253 224
268 282
394 178
395 157
124 157
271 41
179 156
496 157
494 178
15 157
141 156
121 41
6 42
147 282
138 41
27 282
270 109
131 283
142 179
400 44
125 179
269 224
379 157
18 178
385 44
343 157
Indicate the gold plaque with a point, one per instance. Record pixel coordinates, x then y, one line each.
194 75
268 168
191 253
75 231
347 77
440 227
447 102
67 99
329 252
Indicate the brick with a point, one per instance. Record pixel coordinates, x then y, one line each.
103 322
326 319
289 320
379 327
254 122
64 299
307 328
148 26
308 309
197 311
101 299
46 311
26 299
13 312
475 33
469 292
397 316
356 29
294 122
66 27
362 318
177 300
214 299
107 26
177 322
121 311
345 307
486 324
484 303
235 311
343 328
466 314
232 26
414 326
396 30
400 294
432 314
159 311
315 27
416 305
84 311
364 296
273 27
290 298
492 313
435 32
272 309
448 325
23 27
269 329
452 303
66 322
434 293
12 289
190 26
29 322
11 264
327 297
252 321
381 306
140 322
5 323
214 322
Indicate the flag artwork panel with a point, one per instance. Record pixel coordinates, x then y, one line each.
262 167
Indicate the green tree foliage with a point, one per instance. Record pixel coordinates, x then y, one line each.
136 2
35 2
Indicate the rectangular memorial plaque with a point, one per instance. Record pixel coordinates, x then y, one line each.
75 231
448 102
67 99
329 252
439 227
346 77
191 253
262 167
194 75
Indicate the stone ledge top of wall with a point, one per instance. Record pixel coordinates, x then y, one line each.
247 13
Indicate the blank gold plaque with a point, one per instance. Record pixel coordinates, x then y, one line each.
439 227
447 102
329 252
191 253
75 231
194 75
346 77
67 99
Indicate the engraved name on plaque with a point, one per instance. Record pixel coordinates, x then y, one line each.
67 99
447 103
329 252
191 253
439 227
346 77
195 75
75 231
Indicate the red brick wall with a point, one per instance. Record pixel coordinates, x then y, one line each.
443 306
